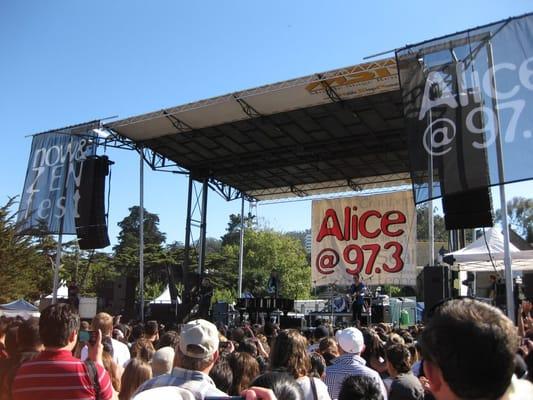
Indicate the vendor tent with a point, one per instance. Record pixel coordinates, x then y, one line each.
19 308
164 298
62 292
486 254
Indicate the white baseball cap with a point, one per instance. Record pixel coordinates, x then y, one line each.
350 340
198 339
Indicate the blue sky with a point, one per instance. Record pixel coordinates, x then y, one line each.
66 62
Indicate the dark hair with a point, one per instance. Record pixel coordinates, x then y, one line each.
399 357
318 365
169 338
57 323
237 335
244 368
151 328
360 387
143 349
222 374
282 384
28 335
477 360
248 346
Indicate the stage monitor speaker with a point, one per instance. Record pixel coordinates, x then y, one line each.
436 285
381 313
527 285
286 322
91 227
471 209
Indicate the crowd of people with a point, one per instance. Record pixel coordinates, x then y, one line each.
466 350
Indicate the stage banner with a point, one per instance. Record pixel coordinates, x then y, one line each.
463 95
373 236
51 189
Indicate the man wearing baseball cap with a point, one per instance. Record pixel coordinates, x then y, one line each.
195 356
349 362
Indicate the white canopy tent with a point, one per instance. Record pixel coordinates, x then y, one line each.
477 255
164 298
19 308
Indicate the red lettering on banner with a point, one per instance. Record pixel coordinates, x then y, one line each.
387 221
362 224
335 230
354 225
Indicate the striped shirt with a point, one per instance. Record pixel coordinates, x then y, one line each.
200 384
57 375
349 365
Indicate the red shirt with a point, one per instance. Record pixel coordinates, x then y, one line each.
55 375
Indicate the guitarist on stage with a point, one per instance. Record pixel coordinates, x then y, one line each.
356 291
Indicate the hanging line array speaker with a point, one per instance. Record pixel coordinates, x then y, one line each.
91 226
464 171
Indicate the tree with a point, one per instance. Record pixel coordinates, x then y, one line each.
422 224
234 228
520 216
25 272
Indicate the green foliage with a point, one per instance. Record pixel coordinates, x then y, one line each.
520 216
422 222
25 267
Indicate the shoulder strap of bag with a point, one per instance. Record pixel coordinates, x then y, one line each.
313 388
93 376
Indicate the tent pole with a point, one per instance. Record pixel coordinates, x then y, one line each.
431 226
501 178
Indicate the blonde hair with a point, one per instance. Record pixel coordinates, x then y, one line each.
104 322
289 352
136 373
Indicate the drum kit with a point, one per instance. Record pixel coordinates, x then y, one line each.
342 303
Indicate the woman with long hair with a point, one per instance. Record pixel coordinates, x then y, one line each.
136 373
289 354
245 369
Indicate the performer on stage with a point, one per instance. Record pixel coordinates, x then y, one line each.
273 284
356 291
204 301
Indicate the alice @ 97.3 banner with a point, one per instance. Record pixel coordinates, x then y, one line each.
373 236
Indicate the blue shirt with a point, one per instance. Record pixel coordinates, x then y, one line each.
200 384
359 288
349 365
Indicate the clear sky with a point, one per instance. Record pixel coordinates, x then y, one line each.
67 62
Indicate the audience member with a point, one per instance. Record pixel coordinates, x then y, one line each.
196 354
405 385
135 374
349 362
104 322
477 360
289 353
283 385
58 330
244 368
143 348
162 361
222 374
329 349
360 387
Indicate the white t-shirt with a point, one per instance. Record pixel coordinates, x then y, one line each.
121 353
321 388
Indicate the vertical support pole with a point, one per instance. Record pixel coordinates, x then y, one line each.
186 250
501 178
203 226
431 229
141 231
241 247
57 263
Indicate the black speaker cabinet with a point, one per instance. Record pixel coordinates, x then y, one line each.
91 226
220 312
471 209
286 322
435 285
